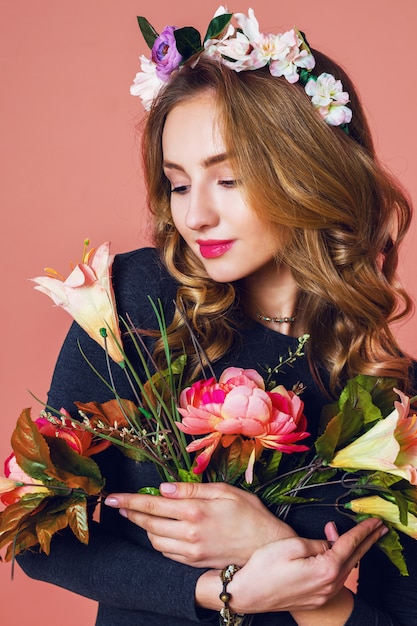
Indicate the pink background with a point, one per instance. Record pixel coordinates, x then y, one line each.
70 169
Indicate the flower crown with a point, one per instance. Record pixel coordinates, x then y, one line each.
242 48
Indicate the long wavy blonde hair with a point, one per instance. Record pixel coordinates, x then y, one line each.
340 216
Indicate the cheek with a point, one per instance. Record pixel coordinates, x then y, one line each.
176 218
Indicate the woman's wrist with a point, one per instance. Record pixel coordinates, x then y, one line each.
209 589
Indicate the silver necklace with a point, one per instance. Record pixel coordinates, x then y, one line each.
275 320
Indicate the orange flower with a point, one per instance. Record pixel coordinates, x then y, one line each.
73 433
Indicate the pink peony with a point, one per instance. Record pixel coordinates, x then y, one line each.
238 406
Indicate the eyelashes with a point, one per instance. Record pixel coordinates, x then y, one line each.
181 189
228 184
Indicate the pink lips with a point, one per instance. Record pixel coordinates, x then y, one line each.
212 248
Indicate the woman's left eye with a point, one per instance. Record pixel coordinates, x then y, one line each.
229 183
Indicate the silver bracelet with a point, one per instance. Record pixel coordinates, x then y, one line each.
227 618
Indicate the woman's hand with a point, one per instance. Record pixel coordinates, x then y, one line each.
300 575
203 525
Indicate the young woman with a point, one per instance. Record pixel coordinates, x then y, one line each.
271 220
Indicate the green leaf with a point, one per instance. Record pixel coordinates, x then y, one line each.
148 31
356 412
270 470
188 476
326 444
284 499
30 448
382 479
390 544
73 469
381 390
151 491
361 399
217 26
188 41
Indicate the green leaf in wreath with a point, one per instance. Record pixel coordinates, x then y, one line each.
188 41
148 31
217 26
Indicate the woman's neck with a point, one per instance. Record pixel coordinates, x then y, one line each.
270 297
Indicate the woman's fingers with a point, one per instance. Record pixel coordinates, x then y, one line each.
300 574
354 544
203 520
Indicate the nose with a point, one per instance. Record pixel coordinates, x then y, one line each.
201 211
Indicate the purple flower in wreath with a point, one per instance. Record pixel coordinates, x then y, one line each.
165 54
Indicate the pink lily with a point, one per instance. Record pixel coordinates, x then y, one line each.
87 295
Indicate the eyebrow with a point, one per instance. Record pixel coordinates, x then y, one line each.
212 160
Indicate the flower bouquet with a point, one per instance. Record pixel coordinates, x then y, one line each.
249 430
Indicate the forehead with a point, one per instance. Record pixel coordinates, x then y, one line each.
193 123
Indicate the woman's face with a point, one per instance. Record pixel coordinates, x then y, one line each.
208 203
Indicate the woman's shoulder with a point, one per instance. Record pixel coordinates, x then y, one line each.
139 277
142 259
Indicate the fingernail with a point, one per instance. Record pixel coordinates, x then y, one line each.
123 512
167 487
111 501
384 531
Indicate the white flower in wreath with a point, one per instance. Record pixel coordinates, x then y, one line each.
290 57
211 46
250 49
328 97
146 84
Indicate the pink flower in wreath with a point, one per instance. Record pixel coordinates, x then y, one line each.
238 406
165 54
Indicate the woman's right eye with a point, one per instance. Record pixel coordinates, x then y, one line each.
180 189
